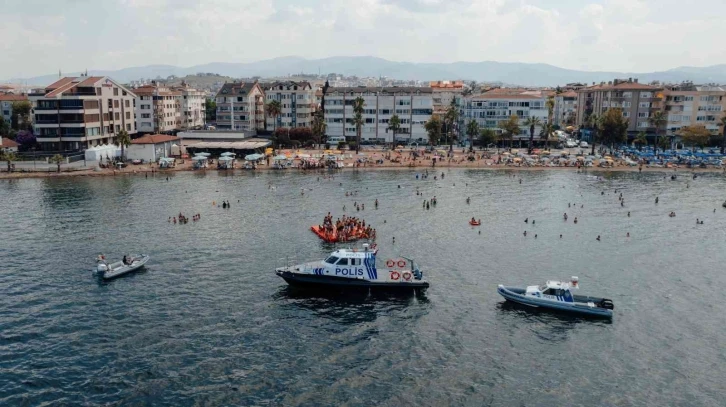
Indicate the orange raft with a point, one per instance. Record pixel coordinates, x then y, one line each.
332 237
474 223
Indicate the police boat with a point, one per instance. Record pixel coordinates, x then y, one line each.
356 269
558 295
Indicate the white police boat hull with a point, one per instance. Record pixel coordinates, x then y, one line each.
118 269
537 297
355 270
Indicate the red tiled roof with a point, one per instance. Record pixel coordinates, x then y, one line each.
13 98
154 139
60 82
7 143
91 80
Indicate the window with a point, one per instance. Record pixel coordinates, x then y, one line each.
115 91
128 126
115 104
126 102
642 115
626 114
626 104
644 105
116 116
688 98
404 102
384 111
646 95
146 115
342 262
642 124
627 95
128 115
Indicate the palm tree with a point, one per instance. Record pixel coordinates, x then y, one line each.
641 139
550 104
124 140
532 122
9 157
658 120
472 129
433 128
451 118
394 125
273 110
57 160
723 140
546 132
358 105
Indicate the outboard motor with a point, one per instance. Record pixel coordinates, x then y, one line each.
417 274
606 303
101 265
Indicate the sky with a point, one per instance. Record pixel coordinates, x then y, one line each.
40 37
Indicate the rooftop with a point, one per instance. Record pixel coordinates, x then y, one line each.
13 98
378 89
7 143
154 139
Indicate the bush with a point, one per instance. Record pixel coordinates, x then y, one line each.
342 145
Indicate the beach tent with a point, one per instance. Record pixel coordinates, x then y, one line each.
279 157
228 154
254 157
203 154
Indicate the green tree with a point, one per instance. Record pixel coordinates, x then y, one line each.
723 140
394 125
9 157
594 124
614 127
20 117
546 132
641 139
433 128
319 127
695 136
124 140
210 109
450 119
550 104
531 122
658 120
4 128
274 109
358 105
510 128
57 160
472 129
487 136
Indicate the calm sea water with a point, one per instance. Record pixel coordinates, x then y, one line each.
208 323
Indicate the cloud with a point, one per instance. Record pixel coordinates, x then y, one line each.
628 35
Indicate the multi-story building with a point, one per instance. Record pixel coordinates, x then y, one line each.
297 104
193 103
694 105
413 105
158 109
444 92
638 102
6 105
241 106
491 108
565 110
77 113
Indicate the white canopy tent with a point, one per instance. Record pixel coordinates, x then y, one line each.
101 151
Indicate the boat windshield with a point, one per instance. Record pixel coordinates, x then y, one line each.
543 287
331 260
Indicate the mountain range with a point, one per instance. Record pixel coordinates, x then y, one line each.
525 74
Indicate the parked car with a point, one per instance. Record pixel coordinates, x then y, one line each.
583 144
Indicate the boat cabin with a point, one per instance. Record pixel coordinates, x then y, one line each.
349 257
554 290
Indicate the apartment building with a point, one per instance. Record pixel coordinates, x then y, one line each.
694 105
6 105
565 110
638 102
413 105
491 108
297 103
241 106
75 113
158 109
444 92
193 107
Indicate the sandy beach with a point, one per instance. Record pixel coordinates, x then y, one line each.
373 160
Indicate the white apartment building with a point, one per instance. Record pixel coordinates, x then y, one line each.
241 106
158 109
565 110
193 103
694 105
75 113
491 108
297 103
6 105
444 92
413 105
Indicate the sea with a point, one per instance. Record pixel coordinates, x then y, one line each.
208 323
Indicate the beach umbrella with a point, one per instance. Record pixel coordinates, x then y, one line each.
203 154
228 154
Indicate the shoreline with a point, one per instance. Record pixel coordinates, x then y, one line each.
142 170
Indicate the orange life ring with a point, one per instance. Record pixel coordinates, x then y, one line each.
407 275
401 263
390 263
395 275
